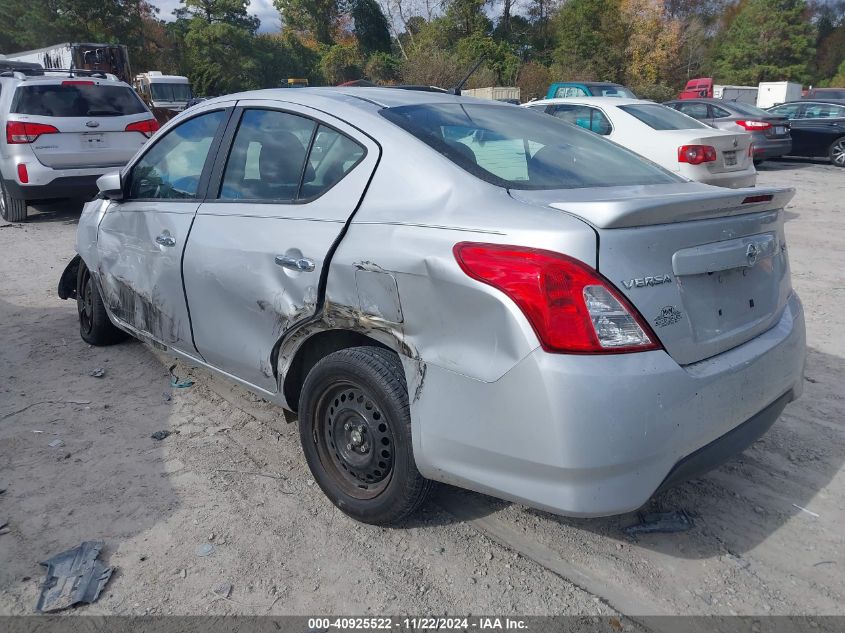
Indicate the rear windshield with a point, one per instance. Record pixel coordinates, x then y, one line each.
76 100
599 90
745 108
660 117
523 149
171 92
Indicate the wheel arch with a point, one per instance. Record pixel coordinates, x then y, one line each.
316 346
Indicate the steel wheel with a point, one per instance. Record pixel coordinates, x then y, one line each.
85 303
354 440
837 152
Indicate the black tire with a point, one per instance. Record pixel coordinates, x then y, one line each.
95 328
359 396
12 209
836 153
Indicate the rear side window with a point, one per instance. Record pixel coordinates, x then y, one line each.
523 149
268 158
695 110
585 117
659 117
76 99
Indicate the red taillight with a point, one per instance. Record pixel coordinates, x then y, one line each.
23 174
77 82
754 126
18 132
571 307
696 154
146 127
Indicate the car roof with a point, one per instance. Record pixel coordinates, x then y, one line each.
839 102
364 98
598 101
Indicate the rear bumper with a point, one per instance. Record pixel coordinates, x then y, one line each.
78 187
599 435
730 179
765 148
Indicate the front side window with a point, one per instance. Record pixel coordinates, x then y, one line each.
659 117
524 149
823 111
77 98
173 166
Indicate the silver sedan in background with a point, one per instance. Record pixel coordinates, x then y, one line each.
448 289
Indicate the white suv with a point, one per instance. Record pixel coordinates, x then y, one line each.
64 129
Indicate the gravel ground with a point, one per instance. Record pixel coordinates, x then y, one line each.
232 475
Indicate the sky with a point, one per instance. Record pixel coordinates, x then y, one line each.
264 9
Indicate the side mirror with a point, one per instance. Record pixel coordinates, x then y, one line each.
110 186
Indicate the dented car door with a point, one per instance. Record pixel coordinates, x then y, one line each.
141 238
278 200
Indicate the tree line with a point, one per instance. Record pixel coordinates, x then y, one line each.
653 46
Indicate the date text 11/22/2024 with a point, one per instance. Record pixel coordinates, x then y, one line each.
416 623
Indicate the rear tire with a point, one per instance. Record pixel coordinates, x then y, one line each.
95 328
12 209
836 153
355 428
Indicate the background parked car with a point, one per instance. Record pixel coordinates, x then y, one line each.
588 89
825 94
769 133
63 131
818 129
669 138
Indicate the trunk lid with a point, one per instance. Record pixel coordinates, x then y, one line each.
707 270
731 147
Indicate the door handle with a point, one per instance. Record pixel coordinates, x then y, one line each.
299 264
165 239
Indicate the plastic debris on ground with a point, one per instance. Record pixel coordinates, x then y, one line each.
57 443
97 372
178 382
73 577
160 435
206 549
661 522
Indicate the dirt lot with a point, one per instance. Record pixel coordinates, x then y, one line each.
232 474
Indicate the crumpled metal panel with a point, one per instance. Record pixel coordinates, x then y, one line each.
73 576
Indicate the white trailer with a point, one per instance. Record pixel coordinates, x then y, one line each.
743 94
771 93
497 93
109 58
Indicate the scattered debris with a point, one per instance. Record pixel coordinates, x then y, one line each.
166 396
73 576
10 226
206 549
160 435
97 372
33 404
183 573
810 512
36 431
5 530
178 382
224 589
824 562
661 522
56 443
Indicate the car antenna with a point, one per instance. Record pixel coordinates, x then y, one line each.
457 89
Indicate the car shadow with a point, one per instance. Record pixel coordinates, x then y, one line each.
790 164
761 489
78 460
55 211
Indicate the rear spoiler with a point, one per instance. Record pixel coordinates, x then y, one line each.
624 207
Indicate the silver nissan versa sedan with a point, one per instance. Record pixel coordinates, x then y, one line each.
448 289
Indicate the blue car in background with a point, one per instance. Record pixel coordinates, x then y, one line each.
588 89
